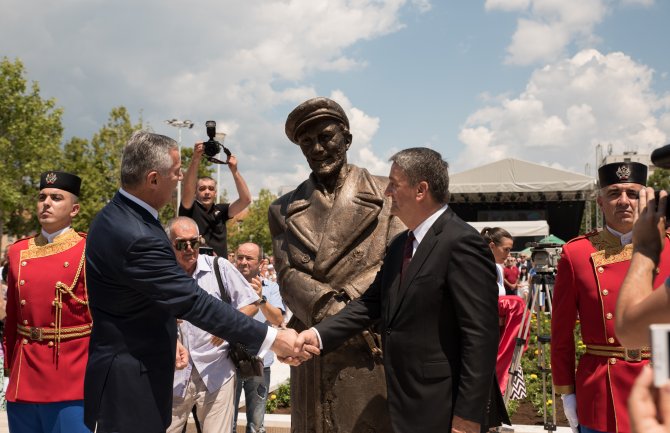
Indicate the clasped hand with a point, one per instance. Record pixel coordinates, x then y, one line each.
294 349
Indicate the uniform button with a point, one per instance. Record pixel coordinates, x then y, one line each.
25 322
22 282
612 361
606 292
52 324
610 340
601 269
23 263
66 264
609 316
25 341
23 302
50 344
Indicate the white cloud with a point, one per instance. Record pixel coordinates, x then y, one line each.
549 26
566 109
241 62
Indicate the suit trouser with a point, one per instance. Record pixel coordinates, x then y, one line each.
58 417
215 410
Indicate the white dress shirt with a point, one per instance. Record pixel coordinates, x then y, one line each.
211 362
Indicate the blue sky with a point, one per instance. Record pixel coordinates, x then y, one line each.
540 80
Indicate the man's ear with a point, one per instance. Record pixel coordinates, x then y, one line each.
75 210
152 178
348 138
422 189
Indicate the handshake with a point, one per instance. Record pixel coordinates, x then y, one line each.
293 348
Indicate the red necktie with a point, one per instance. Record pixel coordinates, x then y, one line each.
407 253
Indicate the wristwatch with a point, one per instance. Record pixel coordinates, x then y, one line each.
263 300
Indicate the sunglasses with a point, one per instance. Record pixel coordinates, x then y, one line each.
182 244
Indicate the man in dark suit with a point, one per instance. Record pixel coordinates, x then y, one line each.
137 289
437 299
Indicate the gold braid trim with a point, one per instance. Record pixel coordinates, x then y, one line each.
38 246
61 289
609 249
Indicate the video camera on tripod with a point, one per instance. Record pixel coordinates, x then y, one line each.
545 256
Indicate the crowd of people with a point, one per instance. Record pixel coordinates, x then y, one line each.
396 314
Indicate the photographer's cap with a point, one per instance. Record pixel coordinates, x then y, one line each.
310 111
622 172
61 180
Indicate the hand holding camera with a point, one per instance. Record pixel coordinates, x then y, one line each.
213 147
649 228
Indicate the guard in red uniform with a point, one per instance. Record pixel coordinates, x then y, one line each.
48 322
590 273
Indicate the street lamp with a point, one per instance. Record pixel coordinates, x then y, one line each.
179 124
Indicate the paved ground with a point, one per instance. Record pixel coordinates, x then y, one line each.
282 423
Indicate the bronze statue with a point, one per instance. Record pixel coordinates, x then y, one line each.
329 239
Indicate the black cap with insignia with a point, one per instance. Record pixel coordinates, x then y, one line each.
61 180
622 172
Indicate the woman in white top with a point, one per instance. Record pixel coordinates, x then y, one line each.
500 242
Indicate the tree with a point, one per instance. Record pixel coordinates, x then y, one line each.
30 136
98 163
253 227
660 179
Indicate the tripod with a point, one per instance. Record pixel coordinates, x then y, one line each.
543 341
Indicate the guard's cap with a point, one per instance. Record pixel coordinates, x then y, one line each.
311 110
622 172
62 180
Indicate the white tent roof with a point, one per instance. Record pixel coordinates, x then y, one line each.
514 175
516 228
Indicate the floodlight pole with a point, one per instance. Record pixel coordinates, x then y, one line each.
179 124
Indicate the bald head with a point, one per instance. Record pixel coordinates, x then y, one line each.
248 260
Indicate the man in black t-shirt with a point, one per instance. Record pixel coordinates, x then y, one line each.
198 197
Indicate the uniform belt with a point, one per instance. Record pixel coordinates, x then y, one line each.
629 355
64 333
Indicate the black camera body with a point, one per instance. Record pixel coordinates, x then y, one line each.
661 158
213 147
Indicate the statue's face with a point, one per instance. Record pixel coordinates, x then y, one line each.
324 144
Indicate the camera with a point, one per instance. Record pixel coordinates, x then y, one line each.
661 158
213 147
660 346
545 256
208 251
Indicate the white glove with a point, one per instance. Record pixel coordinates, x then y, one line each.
570 410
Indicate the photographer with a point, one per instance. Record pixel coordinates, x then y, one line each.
198 202
590 273
639 304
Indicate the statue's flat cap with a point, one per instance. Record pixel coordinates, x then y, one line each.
310 111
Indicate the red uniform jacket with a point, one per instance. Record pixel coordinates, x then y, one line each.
590 273
48 321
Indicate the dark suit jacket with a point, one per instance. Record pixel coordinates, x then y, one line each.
439 328
136 290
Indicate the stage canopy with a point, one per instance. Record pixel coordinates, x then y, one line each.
514 178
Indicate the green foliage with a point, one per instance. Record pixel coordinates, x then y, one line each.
531 362
98 163
280 398
30 137
254 227
660 179
205 169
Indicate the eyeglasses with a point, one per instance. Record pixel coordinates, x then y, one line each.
182 244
